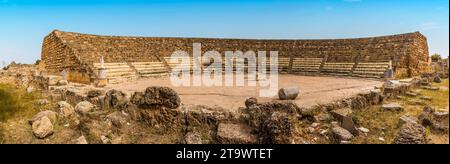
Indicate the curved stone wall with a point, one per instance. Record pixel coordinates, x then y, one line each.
74 51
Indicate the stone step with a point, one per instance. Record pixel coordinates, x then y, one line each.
370 69
113 67
155 75
368 73
153 71
110 64
119 74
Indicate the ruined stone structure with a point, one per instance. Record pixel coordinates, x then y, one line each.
77 53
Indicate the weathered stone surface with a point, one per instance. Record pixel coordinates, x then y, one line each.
95 93
62 82
42 101
340 134
407 119
65 109
235 134
89 49
348 124
155 97
427 98
250 102
437 79
339 114
53 116
81 140
411 94
363 129
392 107
290 93
435 120
411 133
117 118
42 127
194 138
278 129
116 99
84 107
416 102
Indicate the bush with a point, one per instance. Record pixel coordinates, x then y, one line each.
436 57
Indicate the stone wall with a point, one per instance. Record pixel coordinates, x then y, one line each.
78 51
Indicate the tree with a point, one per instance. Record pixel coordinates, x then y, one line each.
436 57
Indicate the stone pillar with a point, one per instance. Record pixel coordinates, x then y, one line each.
389 74
102 80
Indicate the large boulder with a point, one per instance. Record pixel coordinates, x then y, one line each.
155 97
52 116
411 133
288 93
42 127
235 134
65 109
116 99
84 107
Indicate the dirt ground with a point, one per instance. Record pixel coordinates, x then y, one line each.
313 90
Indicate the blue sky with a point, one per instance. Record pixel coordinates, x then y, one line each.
24 23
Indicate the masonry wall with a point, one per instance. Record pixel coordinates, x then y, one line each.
407 51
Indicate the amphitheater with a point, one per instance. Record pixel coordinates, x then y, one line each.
324 70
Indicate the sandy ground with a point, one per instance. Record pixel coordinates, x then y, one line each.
313 90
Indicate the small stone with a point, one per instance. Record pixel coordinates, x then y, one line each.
400 97
411 133
84 107
427 98
341 134
416 102
290 93
42 101
105 140
65 109
363 129
62 82
339 114
437 79
193 138
411 94
381 139
53 116
81 140
30 89
392 107
250 102
407 119
315 125
95 93
42 127
348 124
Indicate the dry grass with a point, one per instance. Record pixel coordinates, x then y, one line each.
385 124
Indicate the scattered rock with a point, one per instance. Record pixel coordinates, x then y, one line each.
381 139
436 120
392 107
416 102
363 129
339 114
53 116
288 93
250 102
95 93
411 133
315 125
340 134
42 101
65 109
117 118
427 98
348 124
62 82
84 107
400 97
42 127
278 129
437 79
407 119
235 134
81 140
105 140
193 138
155 97
411 94
116 99
30 89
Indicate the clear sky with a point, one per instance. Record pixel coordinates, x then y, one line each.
24 23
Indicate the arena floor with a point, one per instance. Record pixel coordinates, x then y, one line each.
313 90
